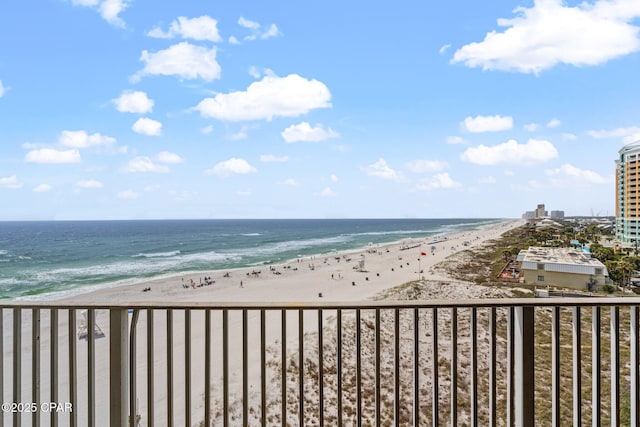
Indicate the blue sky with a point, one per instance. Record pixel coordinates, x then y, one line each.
116 109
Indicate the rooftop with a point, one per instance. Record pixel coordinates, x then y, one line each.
557 256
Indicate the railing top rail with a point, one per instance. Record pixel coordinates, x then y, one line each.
329 305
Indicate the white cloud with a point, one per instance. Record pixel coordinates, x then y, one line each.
253 72
207 130
234 40
456 140
304 132
128 195
146 126
3 89
438 181
270 97
333 178
512 153
241 134
444 48
427 166
574 173
487 123
183 60
144 164
168 157
42 188
89 183
569 136
551 33
270 158
81 139
509 173
327 192
134 102
554 123
289 181
50 155
487 180
109 10
201 28
10 182
628 134
381 170
231 166
256 29
531 127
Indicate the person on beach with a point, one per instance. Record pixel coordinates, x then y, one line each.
241 284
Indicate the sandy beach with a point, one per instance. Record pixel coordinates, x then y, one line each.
336 277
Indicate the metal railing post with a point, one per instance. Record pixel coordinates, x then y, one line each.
118 367
524 380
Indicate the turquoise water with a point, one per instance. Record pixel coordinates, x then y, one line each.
62 256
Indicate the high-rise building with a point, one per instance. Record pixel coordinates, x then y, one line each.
628 193
540 212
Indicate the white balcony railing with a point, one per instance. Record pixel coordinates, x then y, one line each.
475 362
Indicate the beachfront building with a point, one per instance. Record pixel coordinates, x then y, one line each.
562 267
628 194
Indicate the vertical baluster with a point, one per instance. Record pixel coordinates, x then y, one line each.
492 367
555 367
245 370
524 356
416 367
207 367
396 369
170 367
320 370
17 362
377 367
615 366
73 368
510 370
53 367
301 366
91 368
474 367
225 366
577 369
454 367
150 368
635 362
35 364
596 366
263 363
358 371
118 366
283 379
187 366
339 362
435 392
133 413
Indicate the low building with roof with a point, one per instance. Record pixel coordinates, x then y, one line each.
562 267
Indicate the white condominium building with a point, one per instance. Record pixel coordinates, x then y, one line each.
628 193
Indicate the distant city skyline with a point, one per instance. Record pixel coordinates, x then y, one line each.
122 109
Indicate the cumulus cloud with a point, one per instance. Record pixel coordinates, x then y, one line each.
200 28
333 178
42 188
51 155
554 123
109 10
270 158
438 181
230 167
444 48
582 175
183 60
456 140
134 102
144 164
531 127
89 183
327 192
487 123
551 33
569 136
146 126
427 166
511 153
168 157
270 97
628 134
207 129
289 181
10 182
381 169
304 132
257 31
128 195
81 139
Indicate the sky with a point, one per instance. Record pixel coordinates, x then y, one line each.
139 109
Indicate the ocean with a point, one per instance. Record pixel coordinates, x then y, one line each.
44 259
